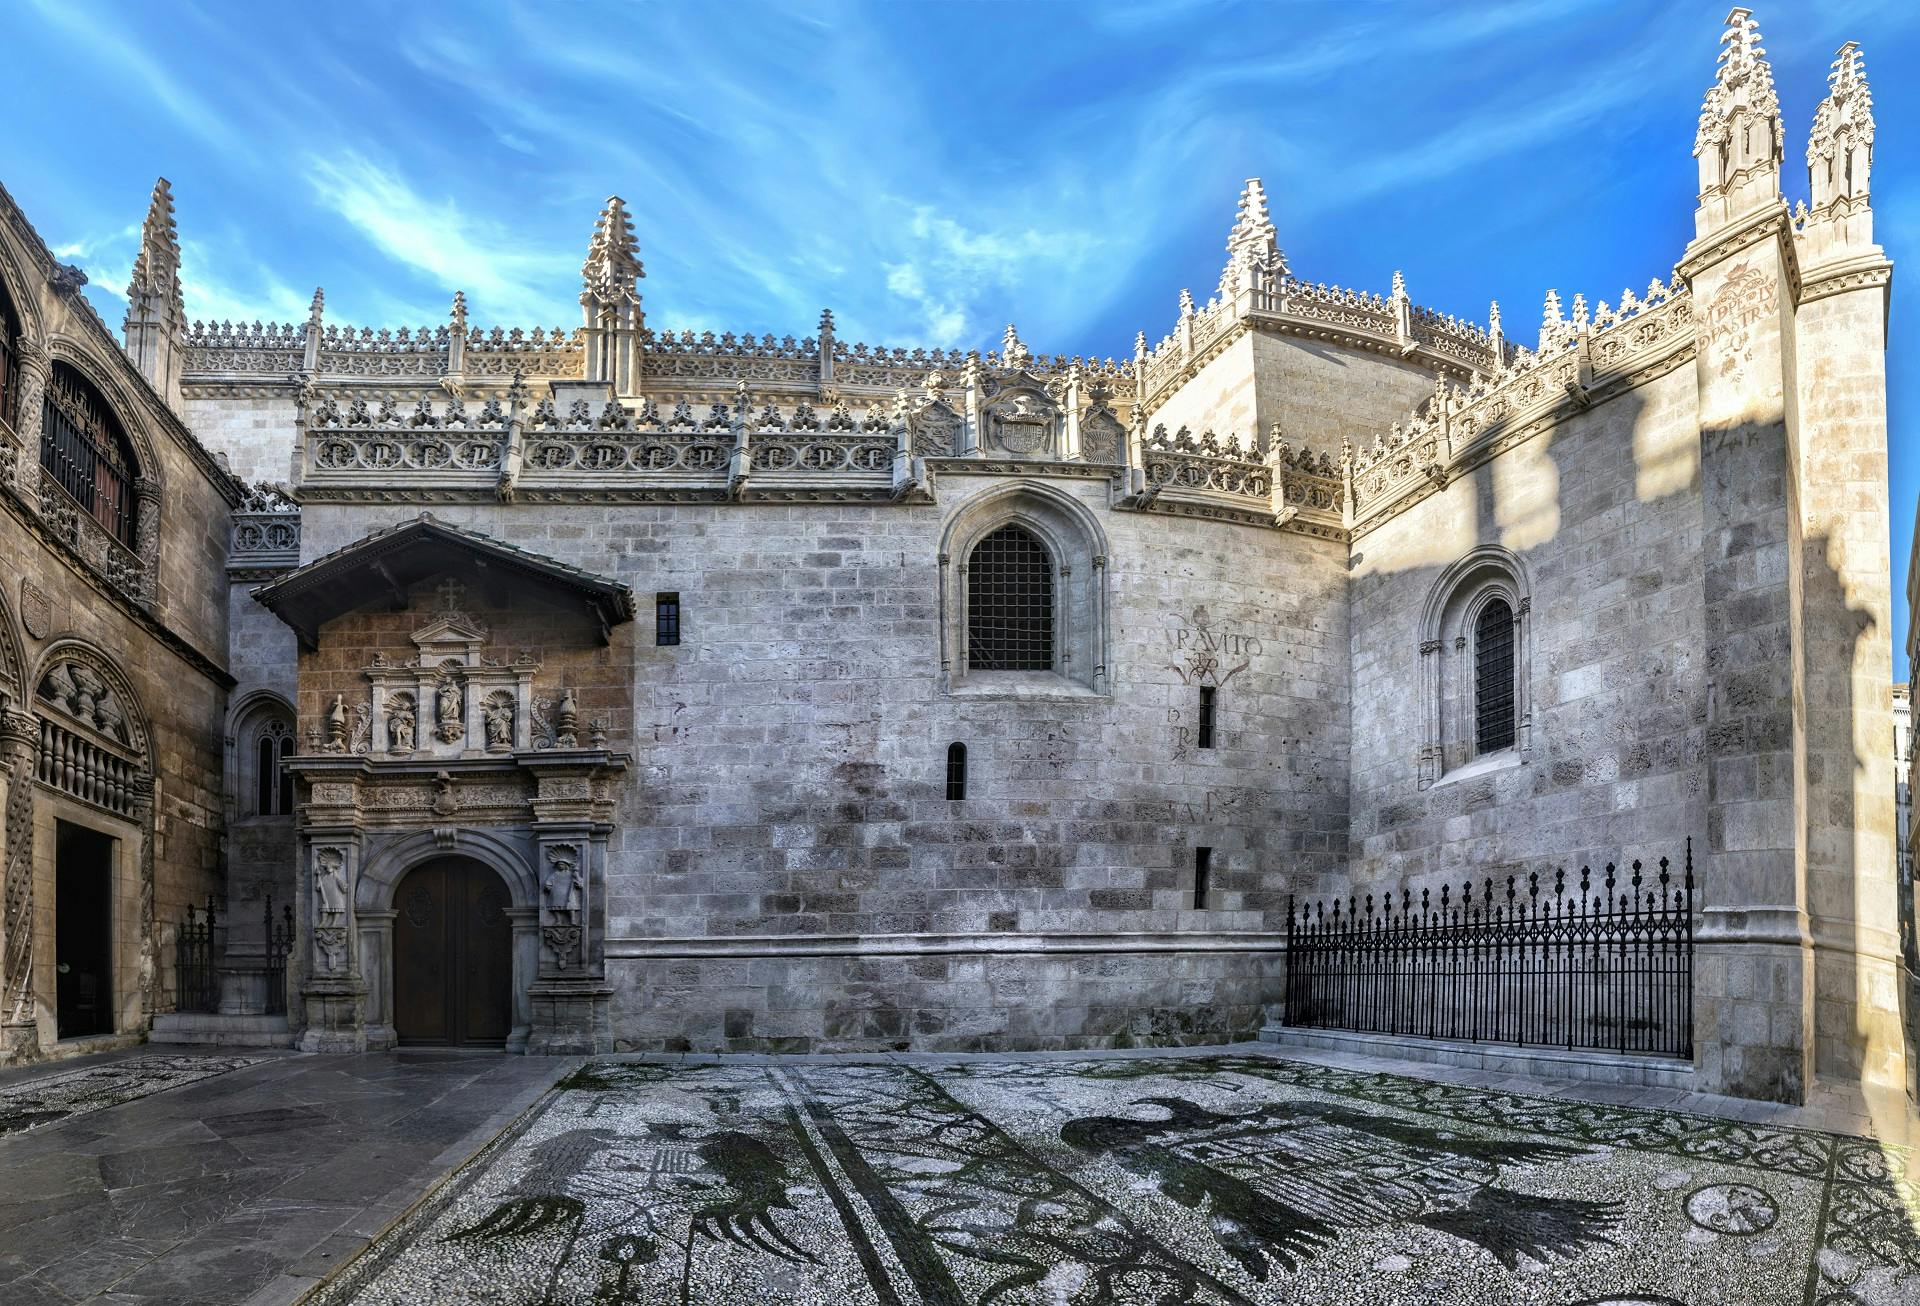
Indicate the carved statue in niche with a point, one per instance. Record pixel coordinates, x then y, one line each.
561 890
329 887
447 709
401 723
498 715
561 894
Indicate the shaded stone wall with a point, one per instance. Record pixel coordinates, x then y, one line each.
790 763
1603 512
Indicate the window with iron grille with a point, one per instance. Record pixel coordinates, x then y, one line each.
1206 716
666 619
82 444
956 772
1010 603
1493 699
9 361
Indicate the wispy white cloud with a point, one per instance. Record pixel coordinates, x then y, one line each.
503 273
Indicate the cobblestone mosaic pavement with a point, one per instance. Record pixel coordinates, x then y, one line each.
28 1103
1202 1179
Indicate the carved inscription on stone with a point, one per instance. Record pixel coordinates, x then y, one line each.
1748 298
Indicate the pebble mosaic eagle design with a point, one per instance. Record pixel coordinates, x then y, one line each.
1279 1183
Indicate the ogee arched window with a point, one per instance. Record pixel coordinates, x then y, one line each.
1010 602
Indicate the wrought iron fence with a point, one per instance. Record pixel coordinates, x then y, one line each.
198 982
279 936
1606 966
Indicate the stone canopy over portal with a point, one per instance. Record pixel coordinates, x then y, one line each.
457 702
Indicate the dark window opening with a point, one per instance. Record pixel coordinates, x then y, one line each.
9 361
1010 603
82 444
266 762
1202 871
286 774
666 619
1206 716
956 772
1493 684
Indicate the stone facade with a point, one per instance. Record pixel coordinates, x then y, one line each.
801 811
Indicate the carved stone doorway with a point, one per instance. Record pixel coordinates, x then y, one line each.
83 931
452 956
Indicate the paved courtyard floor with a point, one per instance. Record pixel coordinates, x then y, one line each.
1226 1177
1203 1176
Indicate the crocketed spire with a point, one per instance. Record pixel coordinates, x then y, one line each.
1742 90
1841 143
612 270
156 268
1253 243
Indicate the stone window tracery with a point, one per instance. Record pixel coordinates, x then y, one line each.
1023 594
1475 666
272 781
84 447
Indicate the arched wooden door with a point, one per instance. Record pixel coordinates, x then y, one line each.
452 956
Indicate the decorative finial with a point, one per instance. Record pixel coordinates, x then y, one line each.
1139 344
1493 318
1840 146
1743 85
826 321
1253 246
1186 303
1399 284
317 309
156 268
613 268
460 309
1013 353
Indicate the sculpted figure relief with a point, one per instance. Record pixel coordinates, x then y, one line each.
561 890
329 886
498 714
446 698
400 723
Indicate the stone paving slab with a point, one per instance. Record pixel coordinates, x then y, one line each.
1198 1177
249 1178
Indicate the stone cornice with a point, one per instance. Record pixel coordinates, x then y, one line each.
1868 269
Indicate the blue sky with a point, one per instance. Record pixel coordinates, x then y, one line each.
928 171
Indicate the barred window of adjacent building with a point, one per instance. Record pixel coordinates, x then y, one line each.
956 772
1493 698
666 619
82 444
1010 603
9 361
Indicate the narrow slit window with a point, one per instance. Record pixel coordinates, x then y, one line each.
266 765
1493 684
666 619
1207 693
286 775
1202 872
956 772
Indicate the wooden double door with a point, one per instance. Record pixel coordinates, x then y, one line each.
452 956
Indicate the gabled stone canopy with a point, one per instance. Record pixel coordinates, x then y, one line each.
382 566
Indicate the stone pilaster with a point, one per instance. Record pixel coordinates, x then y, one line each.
19 1036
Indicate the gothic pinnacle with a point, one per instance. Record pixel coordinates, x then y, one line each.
613 264
156 268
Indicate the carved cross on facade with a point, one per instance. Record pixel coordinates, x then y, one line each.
451 592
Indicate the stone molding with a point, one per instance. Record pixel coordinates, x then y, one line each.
652 948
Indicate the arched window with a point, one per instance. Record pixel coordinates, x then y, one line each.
1493 663
9 360
272 781
1474 668
956 772
83 445
1010 603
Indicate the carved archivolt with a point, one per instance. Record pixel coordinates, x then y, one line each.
79 684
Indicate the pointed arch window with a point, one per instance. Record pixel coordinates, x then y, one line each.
83 445
9 360
272 779
1010 602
